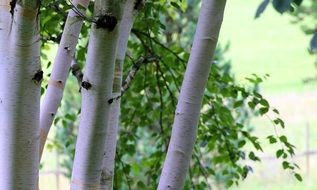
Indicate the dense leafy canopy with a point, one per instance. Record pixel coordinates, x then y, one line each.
164 30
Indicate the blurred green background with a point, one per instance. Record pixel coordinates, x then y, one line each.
273 45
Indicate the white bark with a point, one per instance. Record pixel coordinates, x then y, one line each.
96 91
60 70
20 80
187 112
5 18
126 24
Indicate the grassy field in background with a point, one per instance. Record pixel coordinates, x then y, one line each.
270 45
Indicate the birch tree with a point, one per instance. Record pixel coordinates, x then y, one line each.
21 76
147 106
61 66
96 93
189 103
153 90
126 24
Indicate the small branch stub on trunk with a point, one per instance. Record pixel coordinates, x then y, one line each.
107 21
86 85
38 76
12 6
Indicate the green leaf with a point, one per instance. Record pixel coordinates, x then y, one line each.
70 117
176 6
313 42
279 153
48 64
276 111
280 122
296 166
141 185
229 183
282 5
298 177
238 104
261 8
253 157
258 146
241 143
263 110
251 105
284 156
42 90
297 2
285 165
283 139
272 139
49 146
264 103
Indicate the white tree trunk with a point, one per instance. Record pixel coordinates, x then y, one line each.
60 70
187 112
5 18
20 81
126 24
96 91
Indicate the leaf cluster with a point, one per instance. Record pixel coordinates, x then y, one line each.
224 136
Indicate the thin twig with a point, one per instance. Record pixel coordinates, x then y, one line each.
132 73
137 33
167 87
161 106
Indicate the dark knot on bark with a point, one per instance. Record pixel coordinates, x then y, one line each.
107 21
38 76
86 85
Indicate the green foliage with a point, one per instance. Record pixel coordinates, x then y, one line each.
280 6
261 8
224 136
303 13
